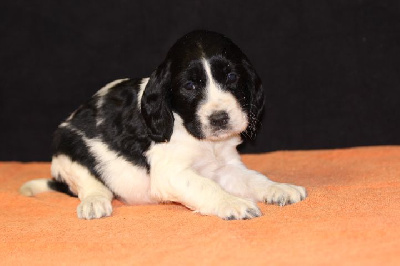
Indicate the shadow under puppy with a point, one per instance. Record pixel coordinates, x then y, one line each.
170 137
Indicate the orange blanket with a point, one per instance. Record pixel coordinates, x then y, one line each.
351 217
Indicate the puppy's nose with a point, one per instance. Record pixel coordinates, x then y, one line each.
219 119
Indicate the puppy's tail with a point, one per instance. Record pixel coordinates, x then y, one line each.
33 187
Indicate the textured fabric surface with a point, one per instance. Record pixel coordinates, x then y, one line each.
351 217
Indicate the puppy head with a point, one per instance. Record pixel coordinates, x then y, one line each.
210 84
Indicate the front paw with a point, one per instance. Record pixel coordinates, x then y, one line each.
94 207
283 194
235 208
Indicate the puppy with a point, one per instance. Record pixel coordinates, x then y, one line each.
171 137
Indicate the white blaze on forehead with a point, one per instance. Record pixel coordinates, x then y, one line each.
217 99
212 86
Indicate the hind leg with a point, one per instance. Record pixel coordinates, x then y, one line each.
95 197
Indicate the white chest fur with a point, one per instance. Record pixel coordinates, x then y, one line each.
184 152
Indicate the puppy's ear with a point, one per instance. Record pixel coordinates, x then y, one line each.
257 99
155 104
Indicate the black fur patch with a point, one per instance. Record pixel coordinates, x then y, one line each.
68 142
123 128
60 187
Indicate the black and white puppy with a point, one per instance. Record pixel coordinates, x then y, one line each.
171 137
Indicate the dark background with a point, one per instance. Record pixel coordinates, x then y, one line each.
331 69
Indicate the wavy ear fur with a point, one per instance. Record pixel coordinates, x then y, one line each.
257 99
155 104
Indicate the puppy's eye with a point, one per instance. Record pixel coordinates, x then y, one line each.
189 85
231 77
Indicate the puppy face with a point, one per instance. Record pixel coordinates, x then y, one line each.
211 99
210 83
